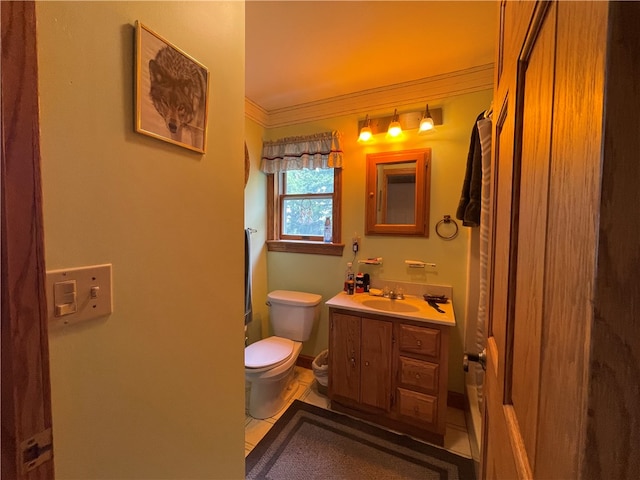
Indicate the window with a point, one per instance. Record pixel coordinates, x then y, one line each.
304 188
306 202
300 202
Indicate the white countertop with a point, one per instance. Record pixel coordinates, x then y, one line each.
412 307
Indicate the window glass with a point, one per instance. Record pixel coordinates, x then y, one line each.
309 181
306 216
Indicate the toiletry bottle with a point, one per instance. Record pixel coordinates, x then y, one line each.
328 233
349 281
359 282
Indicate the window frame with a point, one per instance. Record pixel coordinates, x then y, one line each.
276 242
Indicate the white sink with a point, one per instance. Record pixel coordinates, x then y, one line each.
389 305
411 308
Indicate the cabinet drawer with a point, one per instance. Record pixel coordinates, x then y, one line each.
418 406
422 340
419 374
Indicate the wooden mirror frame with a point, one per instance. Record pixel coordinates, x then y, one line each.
420 228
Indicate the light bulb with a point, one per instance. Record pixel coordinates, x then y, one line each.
365 134
426 124
394 129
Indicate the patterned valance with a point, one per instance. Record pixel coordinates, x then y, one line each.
321 150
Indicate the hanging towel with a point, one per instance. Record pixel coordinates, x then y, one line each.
248 310
471 197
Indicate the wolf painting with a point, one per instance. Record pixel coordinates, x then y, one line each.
178 92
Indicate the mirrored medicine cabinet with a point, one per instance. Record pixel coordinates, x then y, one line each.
398 185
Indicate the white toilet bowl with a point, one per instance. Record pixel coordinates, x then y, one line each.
269 366
269 363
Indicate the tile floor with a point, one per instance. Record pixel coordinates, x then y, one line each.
456 438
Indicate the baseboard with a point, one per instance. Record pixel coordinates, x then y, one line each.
305 361
456 400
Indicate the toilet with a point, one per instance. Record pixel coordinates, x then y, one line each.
269 363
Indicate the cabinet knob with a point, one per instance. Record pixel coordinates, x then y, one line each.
420 343
417 376
353 361
366 364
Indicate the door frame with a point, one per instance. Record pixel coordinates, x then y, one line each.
26 388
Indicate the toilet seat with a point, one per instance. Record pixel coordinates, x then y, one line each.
267 353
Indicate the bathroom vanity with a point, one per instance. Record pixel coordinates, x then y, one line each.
388 362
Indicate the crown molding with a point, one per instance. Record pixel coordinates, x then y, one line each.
255 112
391 96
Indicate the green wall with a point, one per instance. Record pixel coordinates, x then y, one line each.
156 390
324 274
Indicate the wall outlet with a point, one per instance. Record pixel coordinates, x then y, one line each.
355 244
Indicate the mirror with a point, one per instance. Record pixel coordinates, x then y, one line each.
397 200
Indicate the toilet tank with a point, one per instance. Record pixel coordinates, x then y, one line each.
292 314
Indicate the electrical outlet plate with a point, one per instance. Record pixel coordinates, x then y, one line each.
355 243
93 294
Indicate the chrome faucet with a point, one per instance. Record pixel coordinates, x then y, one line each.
397 294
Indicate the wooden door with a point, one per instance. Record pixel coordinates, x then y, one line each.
26 399
375 360
344 356
547 135
513 372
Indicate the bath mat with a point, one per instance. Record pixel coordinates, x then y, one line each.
309 442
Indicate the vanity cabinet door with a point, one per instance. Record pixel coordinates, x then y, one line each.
360 359
375 359
344 356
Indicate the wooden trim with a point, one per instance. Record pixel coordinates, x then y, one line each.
295 246
457 400
337 206
612 448
273 207
26 391
420 228
305 361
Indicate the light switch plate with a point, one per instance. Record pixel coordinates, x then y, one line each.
93 293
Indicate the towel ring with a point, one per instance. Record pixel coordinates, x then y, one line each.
447 219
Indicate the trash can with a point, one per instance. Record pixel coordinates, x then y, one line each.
320 368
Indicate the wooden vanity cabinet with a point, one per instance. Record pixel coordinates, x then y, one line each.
360 352
390 371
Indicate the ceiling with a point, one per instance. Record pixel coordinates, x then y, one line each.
299 52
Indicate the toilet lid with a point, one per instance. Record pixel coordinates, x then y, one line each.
268 351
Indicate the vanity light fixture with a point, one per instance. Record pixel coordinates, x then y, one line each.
397 125
365 132
426 123
395 128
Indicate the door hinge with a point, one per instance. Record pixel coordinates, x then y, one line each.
36 450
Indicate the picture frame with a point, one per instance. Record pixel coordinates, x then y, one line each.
172 92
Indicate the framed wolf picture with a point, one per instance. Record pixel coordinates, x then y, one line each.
172 91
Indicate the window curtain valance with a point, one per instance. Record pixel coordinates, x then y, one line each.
321 150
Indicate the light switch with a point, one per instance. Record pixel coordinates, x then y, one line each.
64 297
78 294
